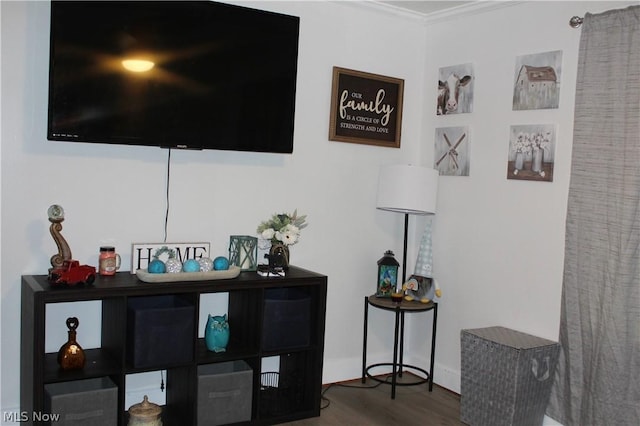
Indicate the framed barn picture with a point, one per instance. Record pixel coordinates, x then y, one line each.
365 108
537 81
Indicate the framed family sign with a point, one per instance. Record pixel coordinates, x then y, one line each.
366 108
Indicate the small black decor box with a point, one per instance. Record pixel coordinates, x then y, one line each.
160 330
281 394
286 309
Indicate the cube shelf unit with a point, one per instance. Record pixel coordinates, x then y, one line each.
296 395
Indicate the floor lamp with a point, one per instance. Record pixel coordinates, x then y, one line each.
410 190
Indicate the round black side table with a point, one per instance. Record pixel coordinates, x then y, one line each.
397 364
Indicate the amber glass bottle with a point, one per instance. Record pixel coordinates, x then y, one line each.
71 355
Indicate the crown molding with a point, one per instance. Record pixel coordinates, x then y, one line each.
470 9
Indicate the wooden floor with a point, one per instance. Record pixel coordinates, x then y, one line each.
355 404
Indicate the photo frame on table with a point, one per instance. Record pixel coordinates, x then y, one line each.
366 108
143 253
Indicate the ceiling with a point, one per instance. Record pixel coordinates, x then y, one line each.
425 7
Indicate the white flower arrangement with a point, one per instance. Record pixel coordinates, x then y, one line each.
540 141
523 143
282 228
527 142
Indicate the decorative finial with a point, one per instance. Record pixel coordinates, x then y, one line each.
575 21
56 217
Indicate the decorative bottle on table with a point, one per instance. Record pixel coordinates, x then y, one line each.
71 354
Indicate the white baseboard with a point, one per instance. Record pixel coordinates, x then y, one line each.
548 421
447 378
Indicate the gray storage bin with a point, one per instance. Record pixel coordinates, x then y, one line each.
506 377
89 402
224 393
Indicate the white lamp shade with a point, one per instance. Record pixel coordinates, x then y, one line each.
408 189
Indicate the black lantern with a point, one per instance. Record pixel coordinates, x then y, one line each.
387 275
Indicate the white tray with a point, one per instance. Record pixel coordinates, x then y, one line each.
145 276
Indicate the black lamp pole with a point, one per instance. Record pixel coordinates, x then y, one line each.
404 253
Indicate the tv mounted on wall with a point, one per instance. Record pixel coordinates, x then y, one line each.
221 77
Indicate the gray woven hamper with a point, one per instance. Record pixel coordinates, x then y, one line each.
506 377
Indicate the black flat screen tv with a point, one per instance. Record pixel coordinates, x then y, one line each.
221 77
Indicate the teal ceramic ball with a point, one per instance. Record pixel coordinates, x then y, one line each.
191 265
220 263
157 266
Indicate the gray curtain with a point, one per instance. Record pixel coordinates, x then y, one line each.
597 381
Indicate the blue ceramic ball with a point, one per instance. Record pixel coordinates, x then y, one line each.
157 266
191 265
220 263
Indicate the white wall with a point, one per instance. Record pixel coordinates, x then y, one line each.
116 194
498 244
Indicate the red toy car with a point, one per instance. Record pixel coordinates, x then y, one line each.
71 273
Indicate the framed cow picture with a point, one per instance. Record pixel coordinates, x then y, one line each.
455 90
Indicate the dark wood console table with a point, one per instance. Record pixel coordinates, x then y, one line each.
248 295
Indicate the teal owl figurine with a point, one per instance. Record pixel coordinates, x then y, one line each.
216 335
